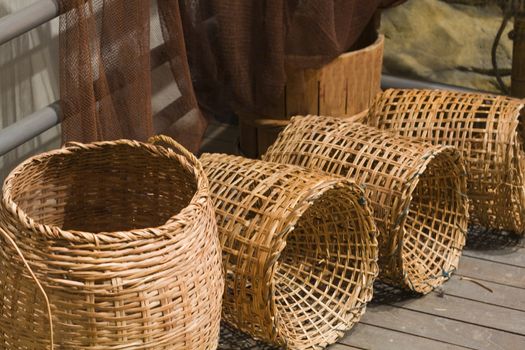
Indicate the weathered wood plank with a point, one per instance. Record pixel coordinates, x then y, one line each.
501 295
473 312
377 338
302 92
492 271
441 329
509 255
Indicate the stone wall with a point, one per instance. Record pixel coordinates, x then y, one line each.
446 41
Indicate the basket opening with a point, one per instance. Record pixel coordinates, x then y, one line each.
326 271
433 238
117 188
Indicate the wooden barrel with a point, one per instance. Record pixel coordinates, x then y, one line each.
343 87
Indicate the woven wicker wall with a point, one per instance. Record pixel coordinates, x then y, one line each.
299 250
487 129
416 191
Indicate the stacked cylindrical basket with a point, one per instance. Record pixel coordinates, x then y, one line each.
416 190
118 244
487 129
299 250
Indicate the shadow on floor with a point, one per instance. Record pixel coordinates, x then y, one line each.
387 294
232 339
480 238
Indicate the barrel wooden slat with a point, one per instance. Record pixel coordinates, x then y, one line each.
344 87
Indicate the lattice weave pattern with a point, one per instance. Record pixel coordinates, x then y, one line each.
485 128
416 191
122 237
299 250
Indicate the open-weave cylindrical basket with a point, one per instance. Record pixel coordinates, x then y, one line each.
121 235
416 191
299 250
485 128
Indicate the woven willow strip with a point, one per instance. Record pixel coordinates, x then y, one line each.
485 128
299 250
122 237
415 190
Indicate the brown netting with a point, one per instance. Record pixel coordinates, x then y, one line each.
181 119
487 129
106 72
237 50
416 191
299 250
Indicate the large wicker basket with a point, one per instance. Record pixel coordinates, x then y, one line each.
121 237
299 250
485 128
416 191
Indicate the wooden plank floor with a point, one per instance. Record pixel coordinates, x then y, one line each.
481 307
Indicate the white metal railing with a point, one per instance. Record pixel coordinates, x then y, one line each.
28 18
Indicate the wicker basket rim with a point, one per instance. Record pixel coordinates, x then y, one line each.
441 150
473 92
373 46
54 232
310 141
309 198
433 151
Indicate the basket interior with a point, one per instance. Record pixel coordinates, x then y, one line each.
326 271
110 188
433 239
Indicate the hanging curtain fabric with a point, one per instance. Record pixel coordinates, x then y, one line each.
181 118
106 71
237 51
